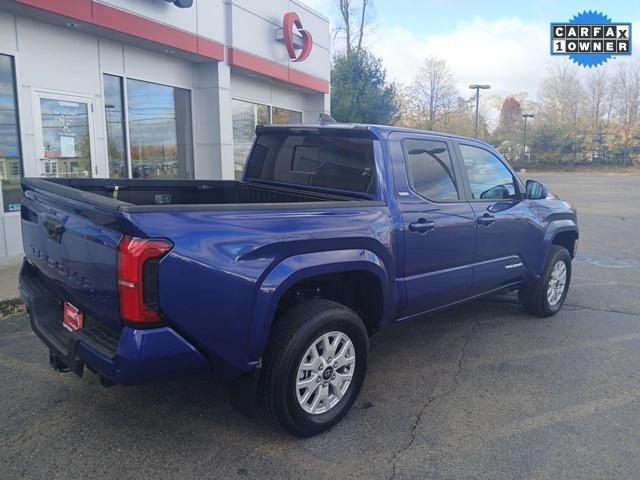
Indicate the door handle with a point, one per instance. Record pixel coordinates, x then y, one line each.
421 226
486 219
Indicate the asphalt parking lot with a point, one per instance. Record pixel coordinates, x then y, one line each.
482 391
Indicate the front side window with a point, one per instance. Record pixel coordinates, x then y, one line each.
10 153
489 178
430 170
159 118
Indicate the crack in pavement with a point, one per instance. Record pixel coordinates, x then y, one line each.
573 307
603 310
432 398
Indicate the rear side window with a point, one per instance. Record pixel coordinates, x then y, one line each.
430 170
336 162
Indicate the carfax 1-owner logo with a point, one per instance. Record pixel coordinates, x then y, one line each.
591 38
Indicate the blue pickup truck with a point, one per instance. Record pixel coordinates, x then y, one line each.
275 283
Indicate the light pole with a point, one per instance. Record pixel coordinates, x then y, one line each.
524 147
477 88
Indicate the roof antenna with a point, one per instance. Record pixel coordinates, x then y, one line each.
325 118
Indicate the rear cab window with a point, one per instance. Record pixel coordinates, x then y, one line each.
324 161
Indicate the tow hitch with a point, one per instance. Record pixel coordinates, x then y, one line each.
57 364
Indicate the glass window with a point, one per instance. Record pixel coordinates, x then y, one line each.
489 178
159 119
246 116
66 138
430 170
336 162
10 154
114 116
280 116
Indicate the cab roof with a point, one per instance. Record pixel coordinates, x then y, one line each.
365 129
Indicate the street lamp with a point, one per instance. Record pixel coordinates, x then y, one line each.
524 147
477 88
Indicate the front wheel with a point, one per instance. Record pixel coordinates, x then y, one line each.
546 297
314 366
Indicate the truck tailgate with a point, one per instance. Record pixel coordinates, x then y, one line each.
73 246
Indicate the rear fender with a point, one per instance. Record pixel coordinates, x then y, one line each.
300 267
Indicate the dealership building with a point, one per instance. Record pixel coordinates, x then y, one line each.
150 89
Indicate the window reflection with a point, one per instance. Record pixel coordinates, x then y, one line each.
430 170
489 178
246 116
66 139
114 116
10 154
283 116
159 130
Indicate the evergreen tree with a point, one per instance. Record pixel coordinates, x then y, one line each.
359 90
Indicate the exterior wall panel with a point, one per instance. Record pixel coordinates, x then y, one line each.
161 12
247 26
7 32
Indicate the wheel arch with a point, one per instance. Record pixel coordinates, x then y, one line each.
298 269
567 239
561 232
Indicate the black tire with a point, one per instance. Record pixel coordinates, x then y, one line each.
534 297
292 335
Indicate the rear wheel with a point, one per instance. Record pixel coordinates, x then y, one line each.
546 297
314 366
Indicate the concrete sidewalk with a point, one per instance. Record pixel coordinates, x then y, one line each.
9 269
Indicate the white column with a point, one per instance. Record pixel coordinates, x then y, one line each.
213 132
314 105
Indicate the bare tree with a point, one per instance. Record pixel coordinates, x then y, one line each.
626 110
354 15
597 82
597 121
627 101
432 95
561 93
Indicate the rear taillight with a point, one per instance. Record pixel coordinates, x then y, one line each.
138 278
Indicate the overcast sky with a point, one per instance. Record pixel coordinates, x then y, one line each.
503 43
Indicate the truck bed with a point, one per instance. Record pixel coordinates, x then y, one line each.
148 195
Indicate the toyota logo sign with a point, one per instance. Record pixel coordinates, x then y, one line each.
290 21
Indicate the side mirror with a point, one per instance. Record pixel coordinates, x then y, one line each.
495 193
536 190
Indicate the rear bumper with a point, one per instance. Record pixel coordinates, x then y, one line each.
129 357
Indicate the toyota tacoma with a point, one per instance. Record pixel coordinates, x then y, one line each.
275 283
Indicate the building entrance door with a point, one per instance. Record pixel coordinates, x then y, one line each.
65 139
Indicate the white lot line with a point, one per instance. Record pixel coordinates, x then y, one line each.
471 363
474 441
566 415
542 352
